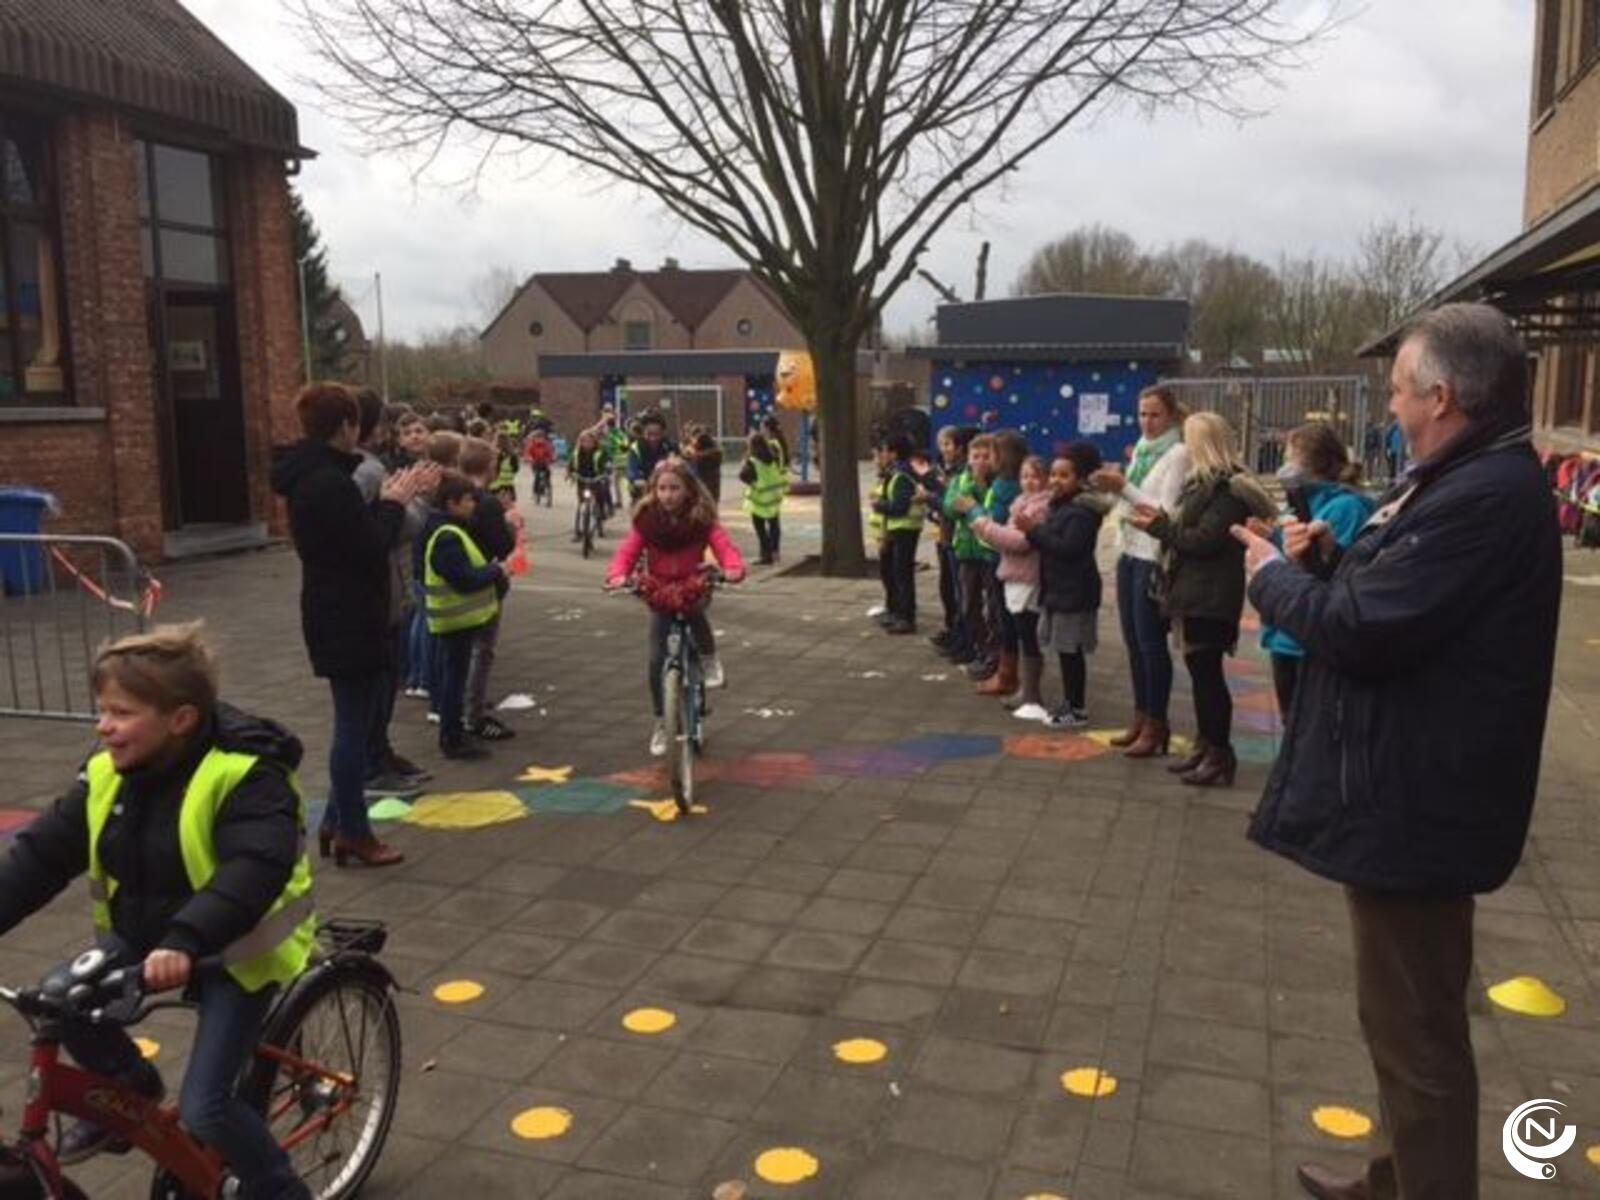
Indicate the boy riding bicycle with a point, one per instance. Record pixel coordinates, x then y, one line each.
589 467
190 824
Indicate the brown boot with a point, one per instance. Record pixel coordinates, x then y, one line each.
1325 1185
1004 681
1030 672
1196 756
1131 735
1217 769
1155 737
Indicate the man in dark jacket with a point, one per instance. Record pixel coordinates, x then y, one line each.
1411 757
344 546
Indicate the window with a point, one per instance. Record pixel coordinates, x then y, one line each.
744 326
536 328
636 335
32 362
1549 62
1588 33
183 213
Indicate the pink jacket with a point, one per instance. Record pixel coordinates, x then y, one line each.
670 566
1019 561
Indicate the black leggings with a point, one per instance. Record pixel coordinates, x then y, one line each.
1075 679
1028 632
1285 674
1213 706
767 535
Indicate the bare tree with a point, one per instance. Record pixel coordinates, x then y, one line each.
1400 265
1232 299
492 291
1092 259
1320 313
823 142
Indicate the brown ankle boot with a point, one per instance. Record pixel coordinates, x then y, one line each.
1196 756
1004 681
1155 737
1216 770
1131 735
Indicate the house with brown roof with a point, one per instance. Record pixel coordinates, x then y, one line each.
149 344
666 338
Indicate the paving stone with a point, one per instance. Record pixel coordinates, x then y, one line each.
642 928
719 937
679 895
1022 974
559 918
1027 935
550 1004
788 990
964 1127
1209 1046
1201 1101
961 1066
693 977
850 883
505 952
477 1173
590 1117
712 1085
894 1173
889 1003
1192 1162
811 1102
947 927
759 904
521 878
494 1051
602 1067
911 962
611 889
444 1104
658 1144
838 915
1000 1017
815 951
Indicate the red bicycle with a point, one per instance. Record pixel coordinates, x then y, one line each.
326 1074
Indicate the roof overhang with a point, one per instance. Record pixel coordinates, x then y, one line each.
666 364
1537 279
1066 352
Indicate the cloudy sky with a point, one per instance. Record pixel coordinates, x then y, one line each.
1413 108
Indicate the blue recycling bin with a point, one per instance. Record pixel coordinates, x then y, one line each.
22 510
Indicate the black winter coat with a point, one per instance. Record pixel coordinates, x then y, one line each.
344 547
1069 577
258 841
1411 755
1203 564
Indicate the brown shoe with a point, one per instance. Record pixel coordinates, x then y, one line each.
367 851
1154 740
1131 735
1325 1185
1196 757
1217 769
1004 681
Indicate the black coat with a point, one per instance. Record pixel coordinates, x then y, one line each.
1412 750
1203 563
258 840
1069 578
344 546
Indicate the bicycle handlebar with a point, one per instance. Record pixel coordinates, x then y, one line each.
91 988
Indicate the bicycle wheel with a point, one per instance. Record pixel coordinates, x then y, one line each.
586 526
680 746
342 1022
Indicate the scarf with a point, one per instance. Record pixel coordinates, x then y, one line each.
1148 452
668 534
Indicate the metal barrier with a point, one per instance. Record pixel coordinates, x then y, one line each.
1263 410
64 596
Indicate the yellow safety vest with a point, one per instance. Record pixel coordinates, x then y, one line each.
913 518
277 949
450 611
764 497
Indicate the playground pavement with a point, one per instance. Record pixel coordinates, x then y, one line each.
884 857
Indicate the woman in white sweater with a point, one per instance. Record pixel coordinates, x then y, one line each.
1155 477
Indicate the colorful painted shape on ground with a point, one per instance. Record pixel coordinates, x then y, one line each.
466 810
458 991
860 1052
649 1021
1055 747
538 774
541 1124
1090 1082
579 796
787 1165
389 809
149 1048
1256 747
1340 1122
667 810
1528 996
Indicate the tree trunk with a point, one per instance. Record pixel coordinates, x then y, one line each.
843 553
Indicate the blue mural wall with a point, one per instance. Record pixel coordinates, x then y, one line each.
1052 403
758 395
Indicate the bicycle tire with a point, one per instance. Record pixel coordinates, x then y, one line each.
680 755
586 527
339 987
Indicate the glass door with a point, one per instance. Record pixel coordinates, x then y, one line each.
207 413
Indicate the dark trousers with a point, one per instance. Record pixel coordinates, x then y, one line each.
1413 966
1213 703
950 591
355 703
454 652
1285 674
1144 633
767 536
661 625
897 563
1075 680
1028 633
974 606
379 751
419 646
226 1036
1000 618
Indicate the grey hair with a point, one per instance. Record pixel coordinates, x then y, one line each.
1475 350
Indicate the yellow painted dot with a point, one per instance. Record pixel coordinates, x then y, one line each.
667 810
1089 1081
1528 996
1043 1196
1341 1122
859 1052
147 1048
458 991
787 1164
1593 1155
649 1020
541 1124
466 810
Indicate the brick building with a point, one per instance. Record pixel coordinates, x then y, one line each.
1547 278
149 312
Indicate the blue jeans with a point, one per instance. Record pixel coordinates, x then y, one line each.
419 651
1144 632
355 703
453 653
379 751
225 1038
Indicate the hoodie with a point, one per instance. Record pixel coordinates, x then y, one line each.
260 835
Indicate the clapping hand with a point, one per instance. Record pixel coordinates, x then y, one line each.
1144 516
1024 520
964 504
1258 551
1301 538
1108 479
405 485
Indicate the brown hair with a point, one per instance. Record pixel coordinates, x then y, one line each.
1037 463
477 457
324 409
168 667
1324 452
478 428
1010 448
444 447
701 510
984 441
452 486
1169 400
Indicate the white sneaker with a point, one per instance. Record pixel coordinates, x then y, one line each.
1068 718
658 740
877 610
715 676
1032 712
433 718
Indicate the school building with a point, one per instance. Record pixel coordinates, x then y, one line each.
149 341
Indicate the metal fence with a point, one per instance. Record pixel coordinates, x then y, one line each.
64 596
1263 410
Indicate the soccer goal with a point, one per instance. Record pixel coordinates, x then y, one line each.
680 403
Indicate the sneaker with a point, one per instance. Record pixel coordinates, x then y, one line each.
878 611
942 640
1032 712
406 769
84 1139
433 718
491 730
416 693
1068 718
899 627
461 749
980 669
715 676
387 784
658 740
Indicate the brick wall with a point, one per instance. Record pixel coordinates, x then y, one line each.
1564 150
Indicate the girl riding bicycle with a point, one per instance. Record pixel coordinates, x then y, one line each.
190 825
673 527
